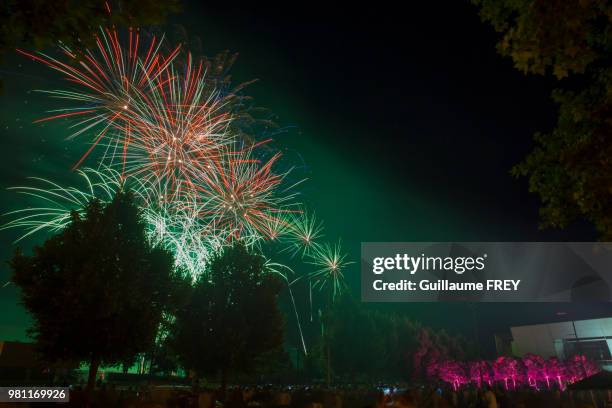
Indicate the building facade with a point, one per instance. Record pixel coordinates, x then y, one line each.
592 338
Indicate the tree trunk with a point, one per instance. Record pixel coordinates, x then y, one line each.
195 382
93 371
223 383
328 364
327 318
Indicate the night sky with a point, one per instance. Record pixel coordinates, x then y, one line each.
405 122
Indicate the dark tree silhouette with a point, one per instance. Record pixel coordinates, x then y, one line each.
41 23
96 290
161 356
570 167
232 316
369 345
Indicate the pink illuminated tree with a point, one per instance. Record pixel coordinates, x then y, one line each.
534 369
511 372
453 373
554 371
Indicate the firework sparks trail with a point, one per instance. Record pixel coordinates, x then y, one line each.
175 226
57 202
182 226
284 271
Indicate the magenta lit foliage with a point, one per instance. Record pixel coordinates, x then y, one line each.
510 372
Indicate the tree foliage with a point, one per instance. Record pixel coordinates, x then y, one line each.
232 317
558 36
41 23
162 357
369 345
96 290
570 169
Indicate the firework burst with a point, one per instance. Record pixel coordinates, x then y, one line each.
179 130
105 81
171 129
242 195
329 261
304 232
